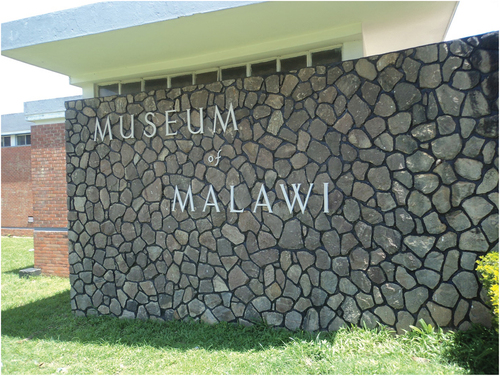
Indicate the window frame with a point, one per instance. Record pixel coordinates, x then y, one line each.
219 69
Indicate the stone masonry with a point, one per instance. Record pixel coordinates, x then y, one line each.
396 157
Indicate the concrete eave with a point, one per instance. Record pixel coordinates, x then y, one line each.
47 111
119 41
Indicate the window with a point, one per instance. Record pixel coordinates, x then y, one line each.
181 81
206 78
17 140
326 57
5 141
160 83
233 73
107 90
130 88
22 140
293 63
262 68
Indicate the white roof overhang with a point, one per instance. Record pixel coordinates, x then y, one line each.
114 41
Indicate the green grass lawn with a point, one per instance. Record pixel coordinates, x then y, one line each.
41 336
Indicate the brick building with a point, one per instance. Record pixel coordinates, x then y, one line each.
17 194
34 181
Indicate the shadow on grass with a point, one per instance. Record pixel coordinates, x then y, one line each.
16 271
51 318
476 350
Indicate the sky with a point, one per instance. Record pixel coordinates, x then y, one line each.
22 82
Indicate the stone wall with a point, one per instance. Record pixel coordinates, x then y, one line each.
396 157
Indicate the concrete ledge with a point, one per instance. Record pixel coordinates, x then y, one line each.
29 272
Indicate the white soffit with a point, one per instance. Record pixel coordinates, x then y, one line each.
105 42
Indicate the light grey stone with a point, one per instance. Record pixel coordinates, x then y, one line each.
433 224
311 321
399 123
329 281
418 203
450 100
404 279
293 320
375 126
340 265
441 199
461 190
385 106
406 95
430 76
416 298
475 105
385 201
233 234
477 208
291 237
380 178
359 259
480 314
386 143
458 220
393 293
468 168
347 287
359 139
420 162
405 178
460 312
427 277
388 239
351 310
445 171
426 183
261 303
362 191
490 227
404 322
358 109
348 84
488 126
446 295
441 315
389 77
451 264
473 147
490 181
366 69
467 284
237 278
386 314
434 261
223 314
447 147
424 132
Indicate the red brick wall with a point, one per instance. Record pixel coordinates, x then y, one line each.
17 232
48 171
48 166
51 252
17 197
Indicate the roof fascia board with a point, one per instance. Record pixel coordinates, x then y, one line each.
101 17
47 118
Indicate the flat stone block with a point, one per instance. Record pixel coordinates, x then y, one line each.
29 272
